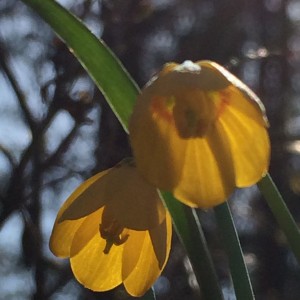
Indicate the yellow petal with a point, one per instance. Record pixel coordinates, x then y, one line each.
63 232
208 174
158 128
245 129
91 267
142 264
236 84
62 236
187 76
246 106
161 240
192 132
87 198
155 143
133 249
134 202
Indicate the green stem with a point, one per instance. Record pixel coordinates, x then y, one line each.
189 230
239 272
281 213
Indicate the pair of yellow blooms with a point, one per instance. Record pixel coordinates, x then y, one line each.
196 131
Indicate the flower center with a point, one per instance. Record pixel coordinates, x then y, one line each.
112 231
192 113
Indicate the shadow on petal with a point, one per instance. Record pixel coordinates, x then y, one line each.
156 145
135 203
62 236
161 241
86 232
221 151
204 183
250 146
87 198
64 230
174 79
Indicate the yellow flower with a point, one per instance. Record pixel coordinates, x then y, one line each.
199 132
115 229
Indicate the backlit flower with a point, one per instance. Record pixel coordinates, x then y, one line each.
199 132
115 230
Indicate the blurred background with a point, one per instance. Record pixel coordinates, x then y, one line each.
56 130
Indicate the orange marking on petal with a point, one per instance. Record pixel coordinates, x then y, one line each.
163 107
225 101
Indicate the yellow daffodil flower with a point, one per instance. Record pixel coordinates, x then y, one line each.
199 132
115 230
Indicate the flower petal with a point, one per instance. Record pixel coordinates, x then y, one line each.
157 148
192 132
245 129
208 174
87 198
145 255
237 84
187 76
64 231
161 240
134 202
62 236
91 267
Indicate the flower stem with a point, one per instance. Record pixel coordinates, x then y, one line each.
239 272
281 213
188 228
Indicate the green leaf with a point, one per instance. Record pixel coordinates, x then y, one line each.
188 228
281 213
101 64
239 272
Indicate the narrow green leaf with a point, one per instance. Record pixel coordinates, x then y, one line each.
238 269
281 213
102 65
189 230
